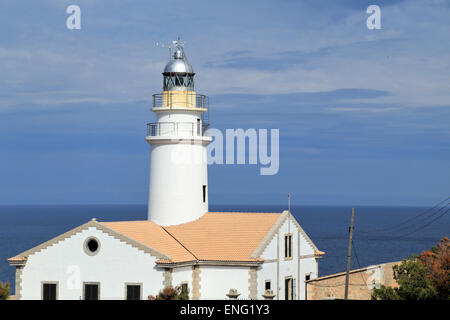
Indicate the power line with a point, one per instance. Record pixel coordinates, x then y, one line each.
439 204
418 228
395 228
404 225
424 212
407 227
357 260
407 234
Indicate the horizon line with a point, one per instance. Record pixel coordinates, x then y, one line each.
221 204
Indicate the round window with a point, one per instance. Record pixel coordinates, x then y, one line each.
91 246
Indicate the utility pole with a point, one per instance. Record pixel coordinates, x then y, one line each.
349 253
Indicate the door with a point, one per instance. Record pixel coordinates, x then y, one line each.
288 292
294 289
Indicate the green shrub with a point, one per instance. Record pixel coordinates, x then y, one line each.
5 290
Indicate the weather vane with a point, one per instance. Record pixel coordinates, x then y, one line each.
178 43
175 44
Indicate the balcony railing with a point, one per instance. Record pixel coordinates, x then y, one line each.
180 99
179 129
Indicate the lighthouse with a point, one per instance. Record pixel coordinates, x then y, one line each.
208 254
178 189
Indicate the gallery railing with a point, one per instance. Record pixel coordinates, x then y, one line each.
181 129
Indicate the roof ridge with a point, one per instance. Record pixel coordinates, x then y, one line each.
180 243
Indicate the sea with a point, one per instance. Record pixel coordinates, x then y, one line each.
381 234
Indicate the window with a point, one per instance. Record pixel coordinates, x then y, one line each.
268 285
288 246
307 277
204 193
91 246
91 291
49 291
179 81
190 82
168 83
133 292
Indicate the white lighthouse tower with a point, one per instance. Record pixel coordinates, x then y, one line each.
178 162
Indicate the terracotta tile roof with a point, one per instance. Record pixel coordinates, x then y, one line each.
319 253
17 259
151 235
216 236
224 236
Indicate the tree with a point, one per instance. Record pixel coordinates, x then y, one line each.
171 293
5 290
437 262
423 277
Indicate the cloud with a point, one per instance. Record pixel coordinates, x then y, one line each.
113 58
336 90
298 98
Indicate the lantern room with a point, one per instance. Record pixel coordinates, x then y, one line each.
178 73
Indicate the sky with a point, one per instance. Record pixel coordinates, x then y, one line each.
363 114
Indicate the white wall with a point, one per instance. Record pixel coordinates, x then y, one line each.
183 274
307 266
288 267
268 271
115 264
217 281
178 173
178 116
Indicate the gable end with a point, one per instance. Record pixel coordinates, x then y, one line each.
269 235
21 258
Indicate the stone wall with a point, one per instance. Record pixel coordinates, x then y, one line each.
361 283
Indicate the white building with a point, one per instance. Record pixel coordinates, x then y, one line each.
181 243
